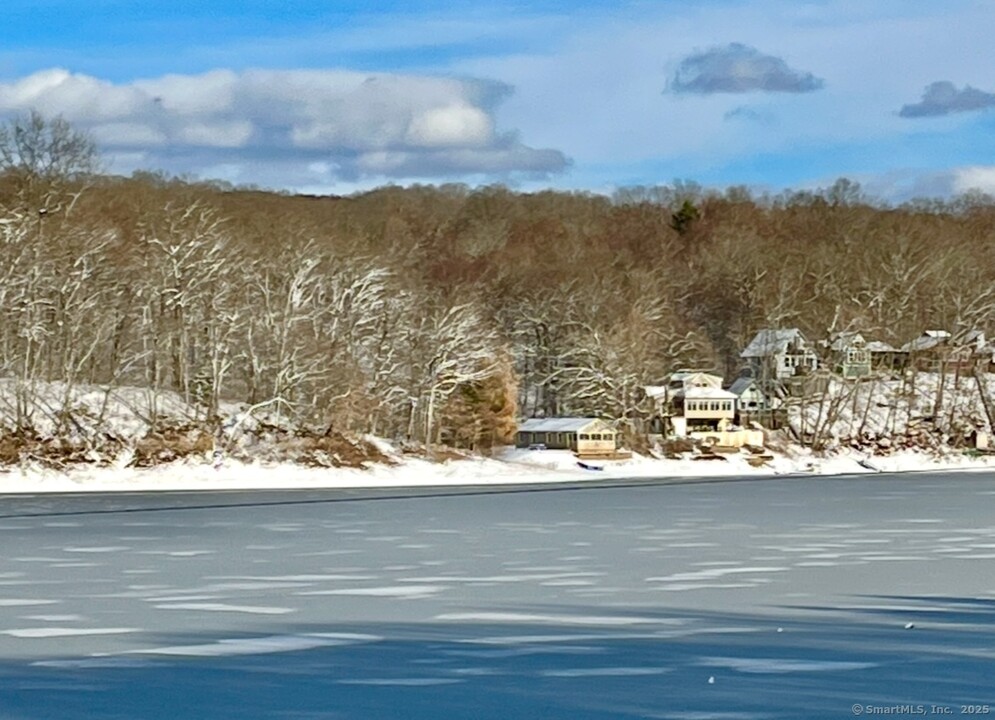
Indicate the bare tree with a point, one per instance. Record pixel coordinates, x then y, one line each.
48 160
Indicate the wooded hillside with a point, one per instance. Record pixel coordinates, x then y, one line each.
443 312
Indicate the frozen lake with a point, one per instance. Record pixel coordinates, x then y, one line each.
781 598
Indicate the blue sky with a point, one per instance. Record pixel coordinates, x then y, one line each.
587 95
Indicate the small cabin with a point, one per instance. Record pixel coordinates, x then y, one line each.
585 436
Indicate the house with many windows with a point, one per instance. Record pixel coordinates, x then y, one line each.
585 436
704 408
691 401
850 355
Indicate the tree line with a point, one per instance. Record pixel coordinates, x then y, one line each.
438 314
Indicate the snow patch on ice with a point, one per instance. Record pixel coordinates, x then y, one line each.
222 607
776 666
401 682
513 617
605 672
94 663
260 645
108 549
713 573
394 591
52 632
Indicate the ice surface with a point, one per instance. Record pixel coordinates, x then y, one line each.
820 558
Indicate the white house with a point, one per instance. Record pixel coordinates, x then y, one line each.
703 408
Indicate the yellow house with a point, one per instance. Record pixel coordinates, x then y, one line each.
585 436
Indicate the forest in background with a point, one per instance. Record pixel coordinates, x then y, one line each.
438 314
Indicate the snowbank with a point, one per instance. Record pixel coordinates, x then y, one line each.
882 408
511 466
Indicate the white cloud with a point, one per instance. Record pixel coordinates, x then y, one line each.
205 94
58 91
451 125
220 134
902 184
283 124
977 177
127 134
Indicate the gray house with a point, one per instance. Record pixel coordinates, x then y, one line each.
750 398
940 351
779 354
585 436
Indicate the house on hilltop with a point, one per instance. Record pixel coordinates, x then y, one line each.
941 351
850 355
779 354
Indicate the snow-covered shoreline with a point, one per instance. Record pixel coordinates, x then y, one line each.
510 467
